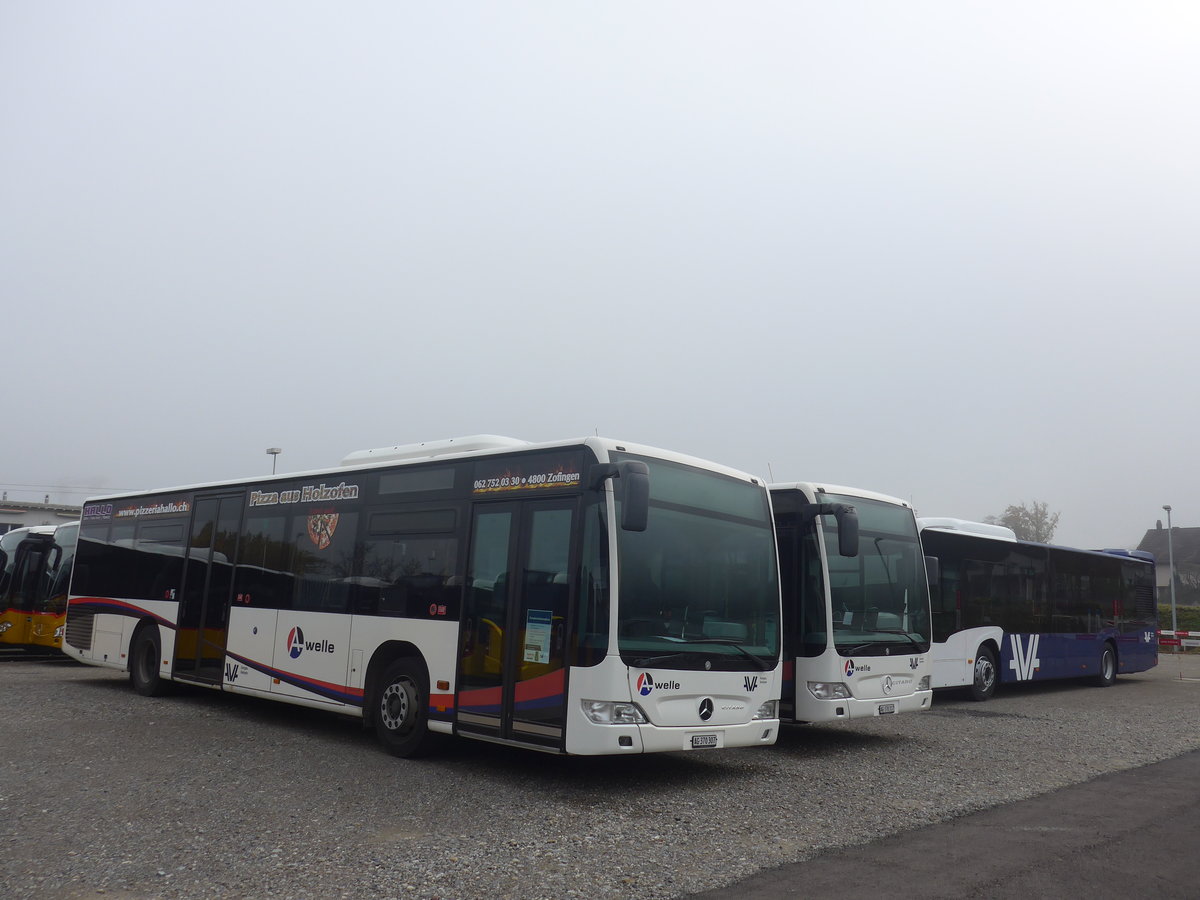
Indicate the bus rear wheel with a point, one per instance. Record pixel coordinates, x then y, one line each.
144 656
402 710
983 681
1107 676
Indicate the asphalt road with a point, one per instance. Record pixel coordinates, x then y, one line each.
1129 835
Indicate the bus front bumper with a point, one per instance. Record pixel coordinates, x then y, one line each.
609 739
810 709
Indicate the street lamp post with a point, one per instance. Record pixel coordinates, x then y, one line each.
1171 563
274 452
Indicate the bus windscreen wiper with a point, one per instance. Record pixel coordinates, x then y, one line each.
726 642
684 654
864 646
911 639
667 657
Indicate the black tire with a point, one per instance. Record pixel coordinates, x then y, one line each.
144 655
985 675
401 710
1107 675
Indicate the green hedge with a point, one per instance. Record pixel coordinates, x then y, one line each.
1188 617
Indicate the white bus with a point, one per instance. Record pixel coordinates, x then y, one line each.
584 597
855 604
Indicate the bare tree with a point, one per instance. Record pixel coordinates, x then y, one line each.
1034 522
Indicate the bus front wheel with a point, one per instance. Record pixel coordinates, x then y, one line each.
144 656
983 681
402 710
1108 667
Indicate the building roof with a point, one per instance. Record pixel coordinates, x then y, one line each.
16 513
1185 545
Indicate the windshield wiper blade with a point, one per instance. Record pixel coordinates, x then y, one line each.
655 660
906 634
856 648
684 654
867 644
726 642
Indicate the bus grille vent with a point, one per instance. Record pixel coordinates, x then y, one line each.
79 630
1144 601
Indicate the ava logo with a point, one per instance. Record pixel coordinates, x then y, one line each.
913 663
295 642
1148 637
321 528
231 672
751 682
849 668
706 709
1024 660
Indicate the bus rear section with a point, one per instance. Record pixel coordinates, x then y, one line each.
856 604
582 597
1007 611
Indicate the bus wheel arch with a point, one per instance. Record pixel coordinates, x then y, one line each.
985 673
396 700
1107 676
145 654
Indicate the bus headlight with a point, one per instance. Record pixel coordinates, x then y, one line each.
769 710
607 712
923 684
829 690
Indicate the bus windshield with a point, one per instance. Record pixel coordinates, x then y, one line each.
699 589
880 598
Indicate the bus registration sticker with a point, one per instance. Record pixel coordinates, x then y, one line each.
701 741
886 708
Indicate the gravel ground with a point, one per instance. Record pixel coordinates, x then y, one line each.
104 793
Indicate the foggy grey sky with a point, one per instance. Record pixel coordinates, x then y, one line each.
943 250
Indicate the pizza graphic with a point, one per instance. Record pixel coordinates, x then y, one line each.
321 528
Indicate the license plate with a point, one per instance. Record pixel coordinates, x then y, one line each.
704 740
886 708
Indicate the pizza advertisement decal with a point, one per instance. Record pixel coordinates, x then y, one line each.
321 527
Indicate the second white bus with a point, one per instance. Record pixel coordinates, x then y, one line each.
856 604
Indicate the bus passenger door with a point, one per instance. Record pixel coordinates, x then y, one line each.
512 664
203 626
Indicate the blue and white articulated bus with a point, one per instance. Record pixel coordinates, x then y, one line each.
1007 611
855 604
586 597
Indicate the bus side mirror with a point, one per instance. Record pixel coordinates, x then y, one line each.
933 570
635 510
634 481
847 520
847 523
